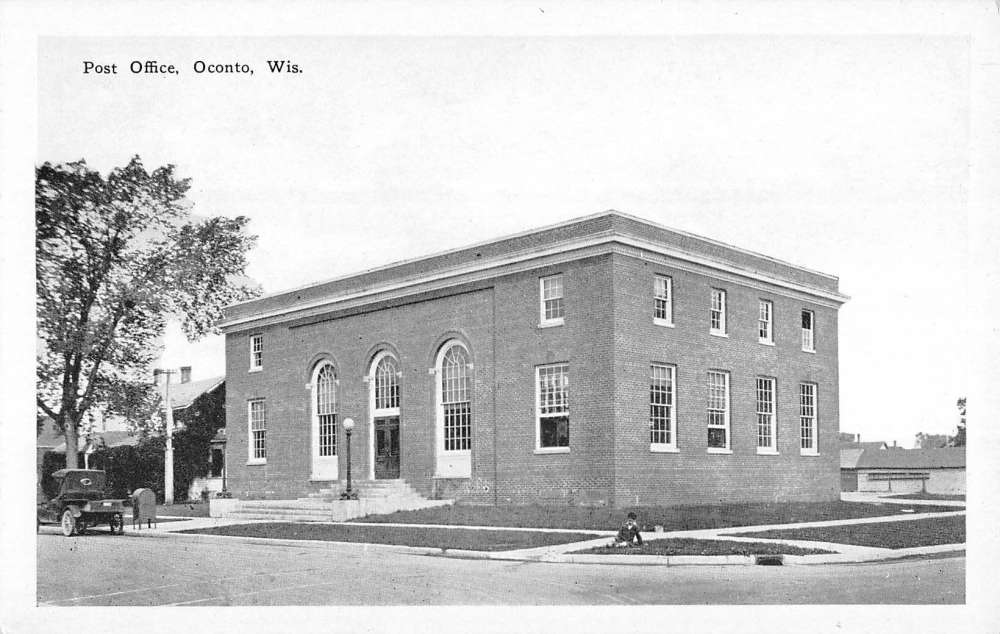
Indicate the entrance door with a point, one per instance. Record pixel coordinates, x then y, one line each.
387 448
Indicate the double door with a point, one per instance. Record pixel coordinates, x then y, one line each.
387 448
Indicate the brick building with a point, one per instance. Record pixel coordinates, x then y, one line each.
605 360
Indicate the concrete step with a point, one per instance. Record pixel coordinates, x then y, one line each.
291 505
325 505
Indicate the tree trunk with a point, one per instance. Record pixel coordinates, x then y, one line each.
71 441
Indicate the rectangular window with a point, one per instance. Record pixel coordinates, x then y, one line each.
662 413
663 302
807 418
256 352
551 292
808 334
552 401
718 315
257 419
718 410
765 416
765 333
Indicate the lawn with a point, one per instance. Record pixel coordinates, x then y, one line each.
925 532
445 538
682 546
671 518
184 509
929 496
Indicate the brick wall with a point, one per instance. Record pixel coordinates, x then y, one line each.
693 475
414 331
608 340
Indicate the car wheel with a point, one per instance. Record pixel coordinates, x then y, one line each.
117 524
68 523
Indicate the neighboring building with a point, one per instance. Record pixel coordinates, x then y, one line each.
940 470
851 448
205 401
605 360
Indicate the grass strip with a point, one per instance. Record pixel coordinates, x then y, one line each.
925 532
671 518
947 497
446 538
684 546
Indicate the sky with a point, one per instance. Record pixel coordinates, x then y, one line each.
844 154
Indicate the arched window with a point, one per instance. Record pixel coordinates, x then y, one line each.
453 395
456 402
326 410
387 383
323 410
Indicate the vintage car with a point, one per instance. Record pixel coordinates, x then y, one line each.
82 503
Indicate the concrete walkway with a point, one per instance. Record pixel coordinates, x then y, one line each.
881 498
565 553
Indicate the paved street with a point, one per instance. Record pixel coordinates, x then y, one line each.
178 571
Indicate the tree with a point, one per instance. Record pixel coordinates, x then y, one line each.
115 257
930 441
958 440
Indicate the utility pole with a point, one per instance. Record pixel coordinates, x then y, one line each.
168 458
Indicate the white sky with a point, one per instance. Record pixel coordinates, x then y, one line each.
848 155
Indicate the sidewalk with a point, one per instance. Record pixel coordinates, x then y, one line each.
879 498
563 553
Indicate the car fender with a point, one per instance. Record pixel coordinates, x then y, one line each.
76 510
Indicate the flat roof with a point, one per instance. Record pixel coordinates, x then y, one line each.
578 236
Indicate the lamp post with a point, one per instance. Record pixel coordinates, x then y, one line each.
349 494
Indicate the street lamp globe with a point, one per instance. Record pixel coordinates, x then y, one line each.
348 424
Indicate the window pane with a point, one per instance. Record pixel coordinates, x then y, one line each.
718 312
718 409
717 437
764 321
326 410
387 384
553 406
662 305
807 416
554 431
765 413
661 402
258 428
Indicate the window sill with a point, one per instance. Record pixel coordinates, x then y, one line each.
716 333
765 343
663 449
256 462
323 479
808 453
256 369
663 322
813 351
767 452
551 324
451 477
720 451
548 450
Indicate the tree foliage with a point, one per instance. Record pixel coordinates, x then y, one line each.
958 440
116 256
199 423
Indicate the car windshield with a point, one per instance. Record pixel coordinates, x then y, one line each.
84 481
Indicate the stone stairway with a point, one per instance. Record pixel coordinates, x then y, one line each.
325 505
